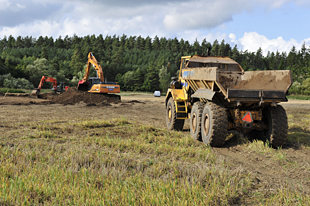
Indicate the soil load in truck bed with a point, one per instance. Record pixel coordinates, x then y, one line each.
264 80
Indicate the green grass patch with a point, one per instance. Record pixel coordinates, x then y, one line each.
117 162
5 90
298 97
131 93
299 129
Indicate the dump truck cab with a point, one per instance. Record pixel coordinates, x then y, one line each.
217 89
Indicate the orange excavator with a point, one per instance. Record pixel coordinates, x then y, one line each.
60 87
97 84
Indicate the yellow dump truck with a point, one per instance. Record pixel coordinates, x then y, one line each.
217 95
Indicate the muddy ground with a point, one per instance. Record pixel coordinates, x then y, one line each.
150 110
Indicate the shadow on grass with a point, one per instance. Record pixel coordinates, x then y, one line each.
298 137
235 138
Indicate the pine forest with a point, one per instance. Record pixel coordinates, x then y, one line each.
135 62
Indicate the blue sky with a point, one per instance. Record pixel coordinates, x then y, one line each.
250 24
288 21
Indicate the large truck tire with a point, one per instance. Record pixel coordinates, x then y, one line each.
195 120
214 124
276 121
171 117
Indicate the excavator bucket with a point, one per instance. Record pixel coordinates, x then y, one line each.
35 93
83 85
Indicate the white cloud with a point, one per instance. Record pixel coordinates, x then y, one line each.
83 27
168 16
202 14
7 5
252 41
4 4
44 28
19 6
274 3
206 14
165 18
232 38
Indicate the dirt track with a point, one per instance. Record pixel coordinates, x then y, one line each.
146 109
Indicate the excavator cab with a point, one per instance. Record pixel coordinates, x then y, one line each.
61 87
87 85
92 81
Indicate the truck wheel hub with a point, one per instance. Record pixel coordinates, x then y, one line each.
206 125
169 114
194 122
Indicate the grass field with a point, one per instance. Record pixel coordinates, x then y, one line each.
298 97
5 90
118 162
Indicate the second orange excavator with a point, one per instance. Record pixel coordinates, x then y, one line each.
97 84
57 87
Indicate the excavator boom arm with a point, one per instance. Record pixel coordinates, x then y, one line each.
92 61
47 79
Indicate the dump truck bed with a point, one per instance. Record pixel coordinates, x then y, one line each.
256 85
223 75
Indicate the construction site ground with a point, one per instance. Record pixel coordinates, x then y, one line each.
146 109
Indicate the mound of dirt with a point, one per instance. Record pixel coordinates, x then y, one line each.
47 95
73 96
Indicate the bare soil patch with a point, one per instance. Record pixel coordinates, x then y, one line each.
71 96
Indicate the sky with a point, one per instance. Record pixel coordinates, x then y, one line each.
272 25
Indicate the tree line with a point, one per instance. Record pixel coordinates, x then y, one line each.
135 62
